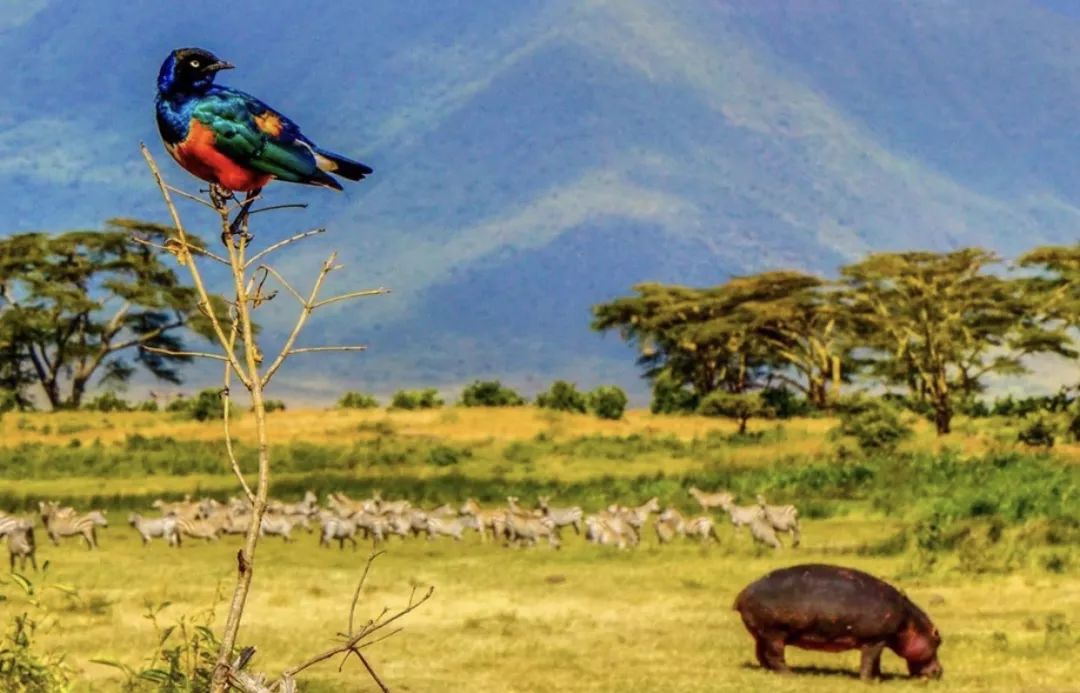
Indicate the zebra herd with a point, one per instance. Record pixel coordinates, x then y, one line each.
377 519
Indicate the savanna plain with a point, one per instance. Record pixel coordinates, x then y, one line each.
977 529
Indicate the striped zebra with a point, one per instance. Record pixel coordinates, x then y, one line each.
149 528
385 506
512 503
528 530
208 528
763 533
742 515
708 501
307 507
494 520
63 525
783 518
447 526
276 525
609 530
637 516
335 527
187 508
702 526
20 543
562 517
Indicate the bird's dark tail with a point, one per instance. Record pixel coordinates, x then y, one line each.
339 165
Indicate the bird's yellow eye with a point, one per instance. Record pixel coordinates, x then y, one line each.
195 64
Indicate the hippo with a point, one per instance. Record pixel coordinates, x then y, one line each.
831 608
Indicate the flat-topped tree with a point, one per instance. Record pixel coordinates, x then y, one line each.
939 323
82 305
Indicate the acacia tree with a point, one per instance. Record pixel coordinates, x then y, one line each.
938 323
89 303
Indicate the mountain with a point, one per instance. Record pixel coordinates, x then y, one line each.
533 158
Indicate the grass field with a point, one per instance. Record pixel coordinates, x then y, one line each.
583 618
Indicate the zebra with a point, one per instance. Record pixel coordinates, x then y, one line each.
702 526
529 530
306 507
208 529
276 525
783 518
512 503
609 531
346 507
444 510
63 525
165 527
708 501
187 508
20 542
763 533
562 517
335 527
495 520
636 517
447 526
384 506
401 525
742 514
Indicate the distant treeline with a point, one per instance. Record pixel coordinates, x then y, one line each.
933 324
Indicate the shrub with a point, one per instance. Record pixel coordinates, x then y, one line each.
671 397
149 405
106 402
490 393
427 398
357 400
1037 434
608 402
876 427
445 456
784 403
562 396
274 405
205 406
740 407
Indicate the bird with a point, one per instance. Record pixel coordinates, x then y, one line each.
232 139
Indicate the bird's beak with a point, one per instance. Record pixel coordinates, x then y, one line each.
219 65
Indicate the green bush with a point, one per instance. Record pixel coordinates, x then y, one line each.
106 402
357 400
205 406
785 404
740 407
608 402
427 398
671 397
273 405
563 396
875 425
490 393
1037 434
149 405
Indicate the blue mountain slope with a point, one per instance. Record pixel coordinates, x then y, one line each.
534 157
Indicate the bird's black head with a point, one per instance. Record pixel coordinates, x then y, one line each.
189 70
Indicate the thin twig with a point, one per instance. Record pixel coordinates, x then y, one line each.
190 249
378 681
199 354
381 291
281 244
225 418
284 282
360 585
327 267
189 196
273 208
309 350
196 276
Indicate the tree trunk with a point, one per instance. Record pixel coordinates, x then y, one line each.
943 416
742 424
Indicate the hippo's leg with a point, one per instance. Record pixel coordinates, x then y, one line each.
870 668
770 654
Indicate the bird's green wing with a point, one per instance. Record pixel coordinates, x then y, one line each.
267 142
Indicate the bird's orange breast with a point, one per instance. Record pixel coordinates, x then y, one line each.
198 155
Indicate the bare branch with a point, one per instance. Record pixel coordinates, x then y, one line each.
274 208
226 401
378 681
309 350
360 586
327 267
190 248
381 291
196 276
281 244
189 196
284 282
195 354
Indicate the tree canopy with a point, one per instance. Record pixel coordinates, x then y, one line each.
80 305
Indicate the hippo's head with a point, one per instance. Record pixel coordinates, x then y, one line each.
918 644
